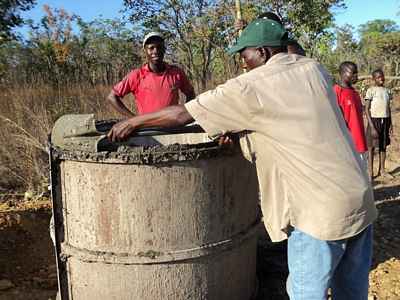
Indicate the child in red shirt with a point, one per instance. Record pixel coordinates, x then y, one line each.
349 102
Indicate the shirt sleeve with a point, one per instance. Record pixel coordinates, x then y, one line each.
127 85
390 94
184 84
344 105
368 95
230 107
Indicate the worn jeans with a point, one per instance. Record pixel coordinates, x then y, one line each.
316 265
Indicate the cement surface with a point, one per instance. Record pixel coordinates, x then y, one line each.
148 154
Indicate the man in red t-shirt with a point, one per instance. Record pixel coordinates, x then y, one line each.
155 85
350 104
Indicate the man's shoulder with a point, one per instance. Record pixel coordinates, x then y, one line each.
135 72
374 88
337 87
348 93
372 91
296 65
293 59
387 90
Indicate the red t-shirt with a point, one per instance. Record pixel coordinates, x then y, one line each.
350 104
154 91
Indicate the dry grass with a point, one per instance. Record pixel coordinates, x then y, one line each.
27 115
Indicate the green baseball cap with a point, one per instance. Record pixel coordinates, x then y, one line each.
260 32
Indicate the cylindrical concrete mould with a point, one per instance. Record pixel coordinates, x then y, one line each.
177 229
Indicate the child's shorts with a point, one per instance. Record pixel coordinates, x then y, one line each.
382 126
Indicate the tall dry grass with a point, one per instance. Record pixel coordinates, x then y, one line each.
27 115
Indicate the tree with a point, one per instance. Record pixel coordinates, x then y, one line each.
384 52
347 48
378 26
307 20
379 44
345 38
101 51
194 28
200 30
10 16
105 50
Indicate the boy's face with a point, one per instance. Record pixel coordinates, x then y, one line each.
379 79
350 75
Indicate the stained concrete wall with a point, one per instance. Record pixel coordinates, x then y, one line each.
178 230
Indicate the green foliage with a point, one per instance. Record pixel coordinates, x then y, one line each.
383 51
196 31
379 42
346 49
308 20
58 70
10 16
377 27
101 51
378 47
200 30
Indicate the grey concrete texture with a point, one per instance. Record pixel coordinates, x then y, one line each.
176 220
82 132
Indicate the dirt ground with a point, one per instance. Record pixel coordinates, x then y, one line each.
27 264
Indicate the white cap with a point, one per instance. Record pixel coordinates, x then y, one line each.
152 34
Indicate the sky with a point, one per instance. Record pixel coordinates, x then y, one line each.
357 12
361 11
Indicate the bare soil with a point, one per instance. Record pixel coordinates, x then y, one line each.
27 263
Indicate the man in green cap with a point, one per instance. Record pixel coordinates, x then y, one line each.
292 45
314 189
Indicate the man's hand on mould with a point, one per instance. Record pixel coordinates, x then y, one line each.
225 141
121 131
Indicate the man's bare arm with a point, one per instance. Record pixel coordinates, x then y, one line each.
171 116
118 105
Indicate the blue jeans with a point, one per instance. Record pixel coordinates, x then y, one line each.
316 265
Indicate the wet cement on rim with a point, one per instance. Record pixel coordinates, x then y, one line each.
148 155
109 152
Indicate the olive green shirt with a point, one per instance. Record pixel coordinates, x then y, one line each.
310 175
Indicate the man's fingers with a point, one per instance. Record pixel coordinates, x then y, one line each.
120 131
124 133
110 134
113 134
225 141
221 140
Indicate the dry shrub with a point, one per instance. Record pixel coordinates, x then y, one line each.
27 115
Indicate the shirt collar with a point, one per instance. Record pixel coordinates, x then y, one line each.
277 57
145 68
